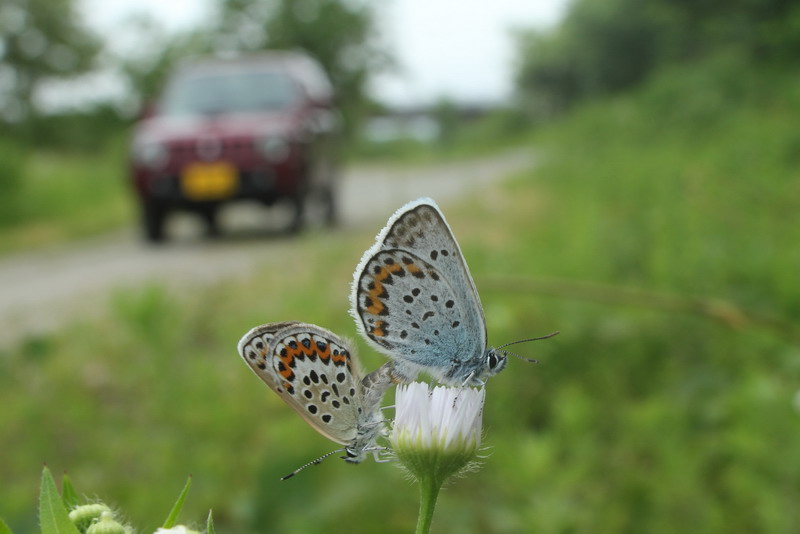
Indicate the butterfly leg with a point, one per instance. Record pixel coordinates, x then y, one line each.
376 454
471 380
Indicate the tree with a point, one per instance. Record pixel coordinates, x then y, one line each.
607 46
40 40
146 68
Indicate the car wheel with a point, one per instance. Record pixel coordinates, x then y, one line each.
209 215
330 212
153 218
298 215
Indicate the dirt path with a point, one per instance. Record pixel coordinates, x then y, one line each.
42 290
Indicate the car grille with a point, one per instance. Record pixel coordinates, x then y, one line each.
237 150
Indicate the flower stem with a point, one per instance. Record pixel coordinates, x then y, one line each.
429 487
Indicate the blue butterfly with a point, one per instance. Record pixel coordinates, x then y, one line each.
414 299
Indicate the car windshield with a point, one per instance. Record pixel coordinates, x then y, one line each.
240 92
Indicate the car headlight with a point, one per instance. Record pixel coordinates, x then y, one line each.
151 154
275 148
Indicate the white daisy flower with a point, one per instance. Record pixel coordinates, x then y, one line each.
436 435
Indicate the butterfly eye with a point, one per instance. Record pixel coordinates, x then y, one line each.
492 360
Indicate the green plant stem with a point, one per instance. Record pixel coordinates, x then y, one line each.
429 487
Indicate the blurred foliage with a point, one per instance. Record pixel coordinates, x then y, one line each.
80 132
636 420
12 163
54 196
446 114
605 46
40 40
145 69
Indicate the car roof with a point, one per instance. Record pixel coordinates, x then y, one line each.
298 65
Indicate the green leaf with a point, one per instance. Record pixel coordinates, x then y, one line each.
173 515
5 530
209 524
68 493
53 518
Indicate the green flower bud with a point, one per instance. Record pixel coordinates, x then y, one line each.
106 525
177 529
84 515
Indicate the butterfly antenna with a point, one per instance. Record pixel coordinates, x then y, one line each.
531 360
313 462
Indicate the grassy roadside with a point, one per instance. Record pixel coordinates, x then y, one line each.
63 196
638 419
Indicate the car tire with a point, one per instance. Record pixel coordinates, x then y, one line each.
153 219
298 215
209 215
330 217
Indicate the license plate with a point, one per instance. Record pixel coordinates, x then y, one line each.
209 181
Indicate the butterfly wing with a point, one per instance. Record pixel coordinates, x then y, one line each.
312 370
413 296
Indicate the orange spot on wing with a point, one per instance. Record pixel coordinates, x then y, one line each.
340 358
378 330
323 354
312 347
376 306
288 360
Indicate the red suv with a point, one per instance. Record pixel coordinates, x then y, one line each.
260 128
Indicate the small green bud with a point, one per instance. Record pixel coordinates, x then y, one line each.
106 525
84 515
177 529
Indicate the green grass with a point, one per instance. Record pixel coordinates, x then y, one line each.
62 196
640 418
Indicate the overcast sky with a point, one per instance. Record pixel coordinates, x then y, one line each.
455 48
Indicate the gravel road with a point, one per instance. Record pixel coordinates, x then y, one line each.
42 290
